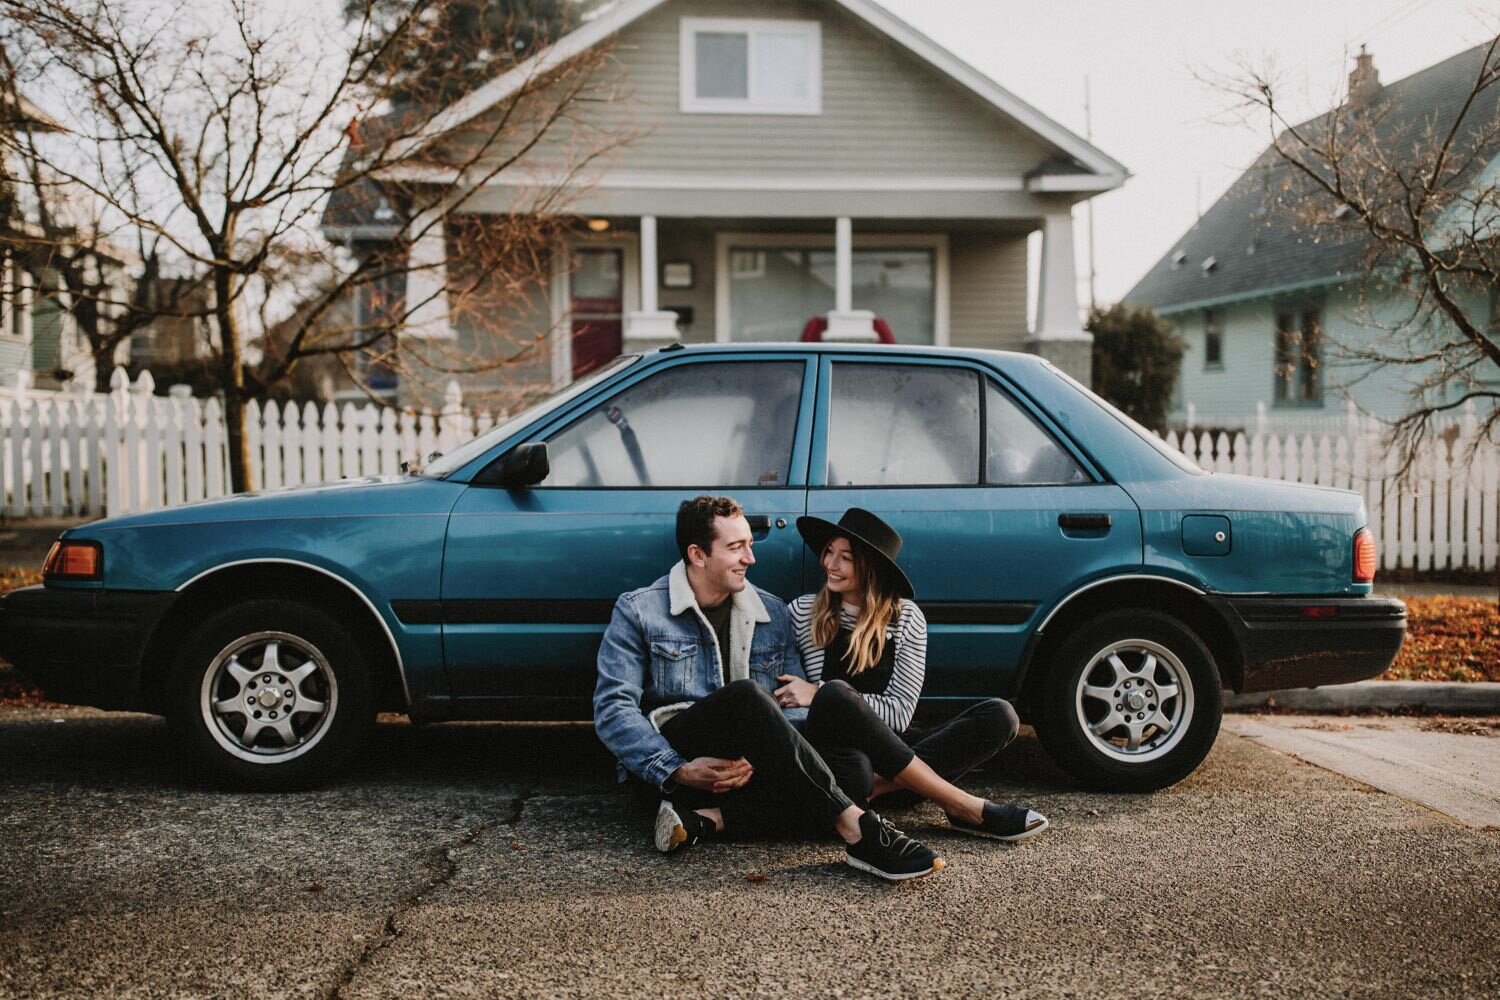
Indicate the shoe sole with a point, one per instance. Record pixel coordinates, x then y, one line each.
670 833
1011 838
865 866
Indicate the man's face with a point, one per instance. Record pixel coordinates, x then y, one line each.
722 569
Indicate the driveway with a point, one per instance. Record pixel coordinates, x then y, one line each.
498 860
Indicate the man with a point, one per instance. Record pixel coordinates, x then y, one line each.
684 701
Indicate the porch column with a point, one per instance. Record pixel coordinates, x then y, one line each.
649 326
427 278
1059 336
845 322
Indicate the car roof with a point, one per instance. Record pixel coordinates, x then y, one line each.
797 347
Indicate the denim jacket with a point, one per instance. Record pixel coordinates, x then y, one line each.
659 651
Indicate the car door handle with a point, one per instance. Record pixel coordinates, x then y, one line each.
1084 522
760 524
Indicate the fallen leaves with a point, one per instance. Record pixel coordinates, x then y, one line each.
1449 639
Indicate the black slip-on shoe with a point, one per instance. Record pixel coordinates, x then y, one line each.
887 853
675 829
1003 821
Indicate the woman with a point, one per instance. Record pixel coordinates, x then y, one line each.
863 642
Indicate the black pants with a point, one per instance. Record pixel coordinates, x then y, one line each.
792 788
858 746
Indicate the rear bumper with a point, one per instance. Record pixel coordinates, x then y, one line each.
1348 639
83 647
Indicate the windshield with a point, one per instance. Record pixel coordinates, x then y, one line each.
1174 456
469 450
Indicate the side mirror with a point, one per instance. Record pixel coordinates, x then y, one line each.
522 466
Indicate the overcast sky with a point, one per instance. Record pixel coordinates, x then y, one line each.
1150 112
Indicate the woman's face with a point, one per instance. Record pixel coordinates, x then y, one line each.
838 567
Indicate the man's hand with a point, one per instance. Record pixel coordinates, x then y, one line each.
794 691
714 774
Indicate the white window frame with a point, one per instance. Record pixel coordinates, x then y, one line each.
16 299
691 103
936 242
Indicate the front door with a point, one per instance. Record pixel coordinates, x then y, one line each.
530 576
596 306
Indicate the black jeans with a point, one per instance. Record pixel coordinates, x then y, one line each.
858 746
792 788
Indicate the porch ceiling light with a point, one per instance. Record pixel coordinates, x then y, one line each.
598 225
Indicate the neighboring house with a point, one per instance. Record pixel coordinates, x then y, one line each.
1270 306
38 334
794 159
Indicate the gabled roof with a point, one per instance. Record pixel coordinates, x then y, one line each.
1252 245
611 19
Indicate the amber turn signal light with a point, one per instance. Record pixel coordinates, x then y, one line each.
74 561
1364 556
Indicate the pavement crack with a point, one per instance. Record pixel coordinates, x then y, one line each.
442 866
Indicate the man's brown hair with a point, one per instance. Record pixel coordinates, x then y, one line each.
695 521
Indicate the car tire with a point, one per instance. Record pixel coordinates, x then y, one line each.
270 695
1131 702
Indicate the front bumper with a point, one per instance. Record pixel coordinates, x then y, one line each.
1348 639
82 647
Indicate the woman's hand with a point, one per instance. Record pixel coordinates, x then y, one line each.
794 692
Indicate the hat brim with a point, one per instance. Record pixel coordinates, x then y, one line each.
816 532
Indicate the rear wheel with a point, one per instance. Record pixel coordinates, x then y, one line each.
270 695
1131 702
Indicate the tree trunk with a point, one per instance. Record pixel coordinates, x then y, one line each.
232 379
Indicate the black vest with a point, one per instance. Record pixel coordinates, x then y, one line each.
871 680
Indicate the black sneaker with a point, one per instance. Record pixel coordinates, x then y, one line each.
1003 821
674 829
886 852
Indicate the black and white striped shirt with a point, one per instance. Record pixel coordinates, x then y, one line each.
898 701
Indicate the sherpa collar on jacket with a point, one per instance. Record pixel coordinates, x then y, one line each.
748 611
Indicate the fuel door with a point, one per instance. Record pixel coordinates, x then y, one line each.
1206 535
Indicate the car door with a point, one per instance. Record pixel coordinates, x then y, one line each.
999 514
530 575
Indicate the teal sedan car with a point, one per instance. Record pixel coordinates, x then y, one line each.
1065 559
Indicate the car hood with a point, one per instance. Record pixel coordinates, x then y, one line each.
368 495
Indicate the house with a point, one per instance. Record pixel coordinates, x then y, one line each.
1275 297
789 160
42 342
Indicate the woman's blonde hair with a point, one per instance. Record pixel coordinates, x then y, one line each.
881 603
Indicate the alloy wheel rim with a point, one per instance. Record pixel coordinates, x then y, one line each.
1134 700
268 697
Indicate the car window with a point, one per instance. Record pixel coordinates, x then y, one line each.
903 425
707 425
1021 453
441 465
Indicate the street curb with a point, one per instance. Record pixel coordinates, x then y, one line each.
1482 698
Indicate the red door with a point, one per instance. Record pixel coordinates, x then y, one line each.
597 306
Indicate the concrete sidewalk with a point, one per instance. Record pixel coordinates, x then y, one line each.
1377 696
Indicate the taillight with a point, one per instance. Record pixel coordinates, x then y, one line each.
1364 556
74 561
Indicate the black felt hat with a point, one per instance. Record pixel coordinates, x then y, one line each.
881 542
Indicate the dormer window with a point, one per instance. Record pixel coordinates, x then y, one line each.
1178 259
751 66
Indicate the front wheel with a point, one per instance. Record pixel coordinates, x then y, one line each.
1131 702
270 695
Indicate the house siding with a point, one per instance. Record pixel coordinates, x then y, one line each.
885 112
987 291
1228 397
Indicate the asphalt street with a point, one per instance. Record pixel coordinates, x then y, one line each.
499 860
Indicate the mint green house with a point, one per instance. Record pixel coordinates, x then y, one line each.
1279 314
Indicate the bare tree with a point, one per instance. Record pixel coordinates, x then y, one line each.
223 131
1414 184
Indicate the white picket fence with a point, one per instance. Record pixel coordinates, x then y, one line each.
130 450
